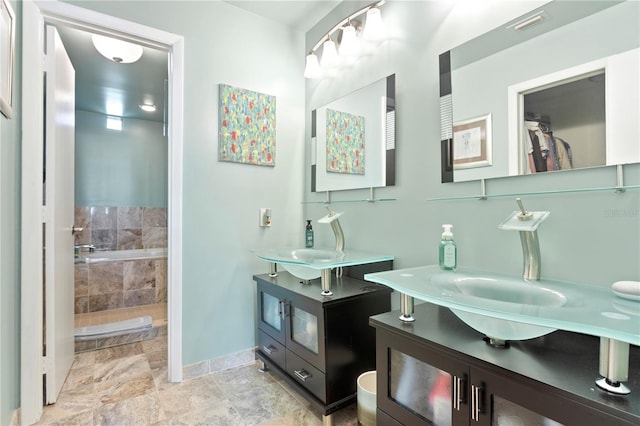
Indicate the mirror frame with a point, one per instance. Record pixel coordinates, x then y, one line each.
389 138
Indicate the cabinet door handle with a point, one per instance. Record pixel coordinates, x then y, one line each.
302 374
281 309
476 393
269 349
458 391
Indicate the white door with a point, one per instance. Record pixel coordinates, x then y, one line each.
58 216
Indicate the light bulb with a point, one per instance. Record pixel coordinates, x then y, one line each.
349 43
312 67
329 54
373 27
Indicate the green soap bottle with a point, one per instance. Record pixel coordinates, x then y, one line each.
308 239
448 251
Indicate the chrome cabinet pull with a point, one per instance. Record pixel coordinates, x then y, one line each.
302 374
269 349
281 309
475 402
458 397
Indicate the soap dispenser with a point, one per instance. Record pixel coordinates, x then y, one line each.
448 251
308 240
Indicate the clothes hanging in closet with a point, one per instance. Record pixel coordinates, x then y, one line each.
546 152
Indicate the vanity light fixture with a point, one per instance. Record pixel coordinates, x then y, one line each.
115 50
147 107
348 42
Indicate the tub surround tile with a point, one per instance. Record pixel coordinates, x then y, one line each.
161 280
103 217
85 345
104 302
129 239
145 296
129 217
140 274
104 239
154 217
154 237
105 277
81 279
81 305
82 219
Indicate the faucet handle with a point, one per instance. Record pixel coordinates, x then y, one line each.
524 215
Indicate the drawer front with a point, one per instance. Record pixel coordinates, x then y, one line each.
307 375
271 348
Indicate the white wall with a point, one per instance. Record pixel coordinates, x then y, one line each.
224 44
589 237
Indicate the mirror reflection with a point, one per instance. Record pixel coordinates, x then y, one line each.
561 92
353 139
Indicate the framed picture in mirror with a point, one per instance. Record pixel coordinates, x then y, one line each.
472 143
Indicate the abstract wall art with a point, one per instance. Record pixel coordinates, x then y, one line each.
345 143
247 126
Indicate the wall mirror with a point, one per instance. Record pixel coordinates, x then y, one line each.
353 139
555 89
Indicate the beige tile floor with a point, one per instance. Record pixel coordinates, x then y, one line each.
127 385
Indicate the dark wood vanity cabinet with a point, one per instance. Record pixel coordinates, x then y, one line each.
438 371
319 344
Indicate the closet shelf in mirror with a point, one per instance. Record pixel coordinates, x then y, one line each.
366 200
550 192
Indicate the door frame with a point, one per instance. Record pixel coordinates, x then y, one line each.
35 15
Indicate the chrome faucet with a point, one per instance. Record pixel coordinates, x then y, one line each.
332 218
527 224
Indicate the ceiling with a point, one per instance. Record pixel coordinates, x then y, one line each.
99 80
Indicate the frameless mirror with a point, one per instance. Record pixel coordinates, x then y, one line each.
353 139
555 89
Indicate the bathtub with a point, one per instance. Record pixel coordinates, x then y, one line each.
120 255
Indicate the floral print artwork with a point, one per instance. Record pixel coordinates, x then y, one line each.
345 143
247 126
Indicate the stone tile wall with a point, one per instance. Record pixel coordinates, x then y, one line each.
127 283
122 228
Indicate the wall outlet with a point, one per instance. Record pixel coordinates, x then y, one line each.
265 217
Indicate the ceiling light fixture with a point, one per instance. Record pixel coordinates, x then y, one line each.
116 50
348 41
147 107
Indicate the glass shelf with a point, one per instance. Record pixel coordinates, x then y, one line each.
366 200
550 192
585 308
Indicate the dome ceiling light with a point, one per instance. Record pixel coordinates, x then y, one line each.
119 51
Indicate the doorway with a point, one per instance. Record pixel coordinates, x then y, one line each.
34 18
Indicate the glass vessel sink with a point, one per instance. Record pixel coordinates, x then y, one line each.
308 263
506 307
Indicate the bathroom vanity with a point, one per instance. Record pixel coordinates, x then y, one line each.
439 371
320 344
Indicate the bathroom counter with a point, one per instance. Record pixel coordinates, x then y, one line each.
561 366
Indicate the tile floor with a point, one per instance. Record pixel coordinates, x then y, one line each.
127 385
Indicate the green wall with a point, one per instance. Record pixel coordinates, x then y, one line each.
224 44
119 168
589 237
10 181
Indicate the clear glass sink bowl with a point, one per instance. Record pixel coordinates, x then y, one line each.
527 296
508 307
308 263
